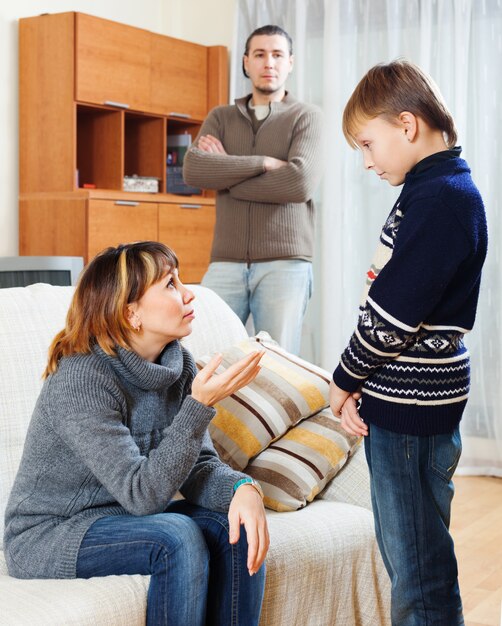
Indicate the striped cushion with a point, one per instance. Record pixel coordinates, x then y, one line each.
286 391
294 469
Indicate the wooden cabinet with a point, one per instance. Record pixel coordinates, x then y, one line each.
179 77
187 227
133 221
98 101
112 63
83 223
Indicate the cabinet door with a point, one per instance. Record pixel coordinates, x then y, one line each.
113 63
52 225
111 223
179 77
188 230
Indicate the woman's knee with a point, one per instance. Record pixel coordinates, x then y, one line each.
177 542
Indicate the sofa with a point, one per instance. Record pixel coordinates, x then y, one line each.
323 566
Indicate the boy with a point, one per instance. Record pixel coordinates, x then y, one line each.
406 356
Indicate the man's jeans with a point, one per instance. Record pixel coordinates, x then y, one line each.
276 293
411 492
197 576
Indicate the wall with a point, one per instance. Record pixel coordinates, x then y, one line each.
206 22
185 19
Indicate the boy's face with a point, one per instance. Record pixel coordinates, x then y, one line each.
386 149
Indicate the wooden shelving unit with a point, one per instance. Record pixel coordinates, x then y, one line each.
98 100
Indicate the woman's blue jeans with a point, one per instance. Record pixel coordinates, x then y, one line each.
411 492
197 576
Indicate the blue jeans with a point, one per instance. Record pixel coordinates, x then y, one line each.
197 576
275 293
411 492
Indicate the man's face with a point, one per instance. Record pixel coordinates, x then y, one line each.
386 150
268 63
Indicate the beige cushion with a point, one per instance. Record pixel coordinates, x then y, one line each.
324 568
215 326
286 391
110 600
29 319
293 470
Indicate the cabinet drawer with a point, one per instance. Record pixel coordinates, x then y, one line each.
188 230
111 223
112 63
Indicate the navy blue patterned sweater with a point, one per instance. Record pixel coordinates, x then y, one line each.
407 351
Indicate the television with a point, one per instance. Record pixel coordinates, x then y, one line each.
21 271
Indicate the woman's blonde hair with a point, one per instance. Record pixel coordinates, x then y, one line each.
387 90
98 310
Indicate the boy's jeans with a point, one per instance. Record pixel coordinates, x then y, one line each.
276 293
197 577
411 492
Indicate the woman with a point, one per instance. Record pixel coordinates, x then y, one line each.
119 427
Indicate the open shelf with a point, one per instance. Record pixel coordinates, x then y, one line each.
144 146
99 147
186 131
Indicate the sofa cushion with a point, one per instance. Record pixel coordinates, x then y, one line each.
286 391
110 600
351 484
324 568
215 326
29 319
295 469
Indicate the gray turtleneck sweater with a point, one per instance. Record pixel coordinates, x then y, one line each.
109 436
261 215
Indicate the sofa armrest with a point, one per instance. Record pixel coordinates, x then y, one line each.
352 483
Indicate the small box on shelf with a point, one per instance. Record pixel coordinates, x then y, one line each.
147 184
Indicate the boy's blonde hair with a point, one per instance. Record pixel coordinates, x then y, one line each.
98 310
387 90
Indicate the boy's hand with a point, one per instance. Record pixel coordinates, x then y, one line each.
209 388
337 398
351 422
344 404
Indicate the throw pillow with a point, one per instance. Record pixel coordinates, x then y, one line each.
297 467
286 391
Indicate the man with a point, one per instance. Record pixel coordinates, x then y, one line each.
263 157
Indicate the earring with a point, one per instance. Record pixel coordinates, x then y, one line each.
137 326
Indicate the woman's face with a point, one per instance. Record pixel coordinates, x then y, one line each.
162 314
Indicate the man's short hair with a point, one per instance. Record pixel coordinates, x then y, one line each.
269 29
387 90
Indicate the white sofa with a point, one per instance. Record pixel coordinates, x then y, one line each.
324 568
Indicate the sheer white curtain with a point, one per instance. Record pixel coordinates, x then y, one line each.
459 42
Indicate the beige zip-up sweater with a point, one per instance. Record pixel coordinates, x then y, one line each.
261 215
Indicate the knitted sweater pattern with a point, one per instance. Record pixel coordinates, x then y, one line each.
110 435
407 351
261 215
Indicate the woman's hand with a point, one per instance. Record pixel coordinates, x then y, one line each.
247 508
209 388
